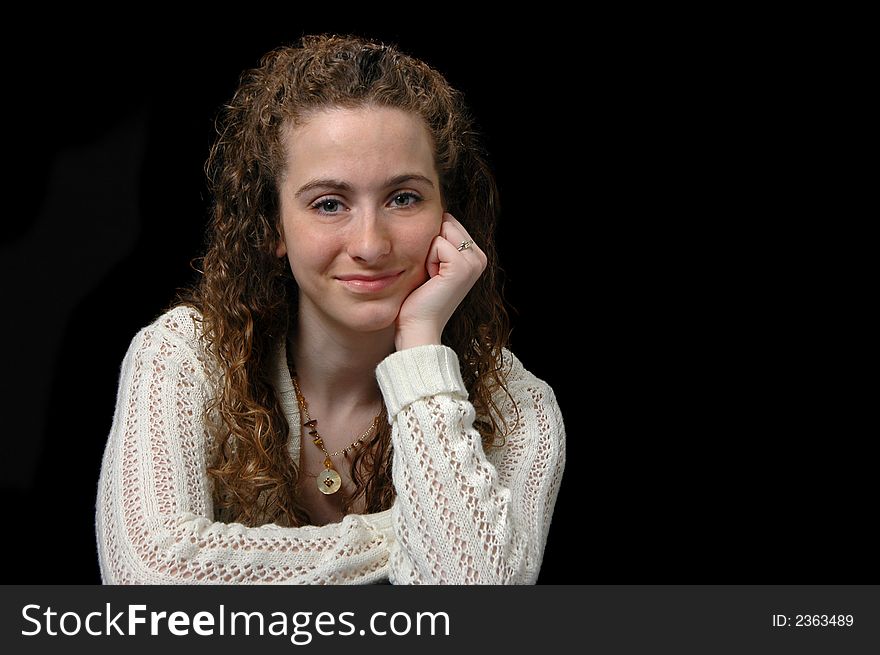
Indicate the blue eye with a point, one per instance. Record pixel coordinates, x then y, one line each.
331 206
406 195
326 206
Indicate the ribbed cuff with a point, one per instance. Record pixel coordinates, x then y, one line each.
414 373
381 521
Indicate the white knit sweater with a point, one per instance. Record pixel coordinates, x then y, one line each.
461 516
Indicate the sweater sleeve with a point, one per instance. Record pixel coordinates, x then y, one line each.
154 512
462 517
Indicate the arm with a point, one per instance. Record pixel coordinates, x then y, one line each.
154 515
459 518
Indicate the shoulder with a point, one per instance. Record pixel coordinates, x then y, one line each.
181 322
524 392
173 335
516 376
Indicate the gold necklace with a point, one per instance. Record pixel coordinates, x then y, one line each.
328 481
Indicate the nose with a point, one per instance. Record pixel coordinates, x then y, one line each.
369 239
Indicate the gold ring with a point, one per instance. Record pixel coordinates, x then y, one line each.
465 245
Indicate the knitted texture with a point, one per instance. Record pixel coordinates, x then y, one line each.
462 515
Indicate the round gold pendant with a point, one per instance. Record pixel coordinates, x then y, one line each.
329 482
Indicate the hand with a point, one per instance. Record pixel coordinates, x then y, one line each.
451 274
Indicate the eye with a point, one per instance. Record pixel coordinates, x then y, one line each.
326 205
405 199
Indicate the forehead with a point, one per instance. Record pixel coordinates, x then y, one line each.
357 143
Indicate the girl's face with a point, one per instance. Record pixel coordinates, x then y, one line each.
360 205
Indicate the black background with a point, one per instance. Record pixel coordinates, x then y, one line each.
641 292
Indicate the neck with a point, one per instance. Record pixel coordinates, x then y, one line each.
336 367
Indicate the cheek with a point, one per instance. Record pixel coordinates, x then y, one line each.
414 251
310 255
418 240
304 260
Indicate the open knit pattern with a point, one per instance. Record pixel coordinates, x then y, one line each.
462 516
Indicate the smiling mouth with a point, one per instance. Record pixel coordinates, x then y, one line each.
368 283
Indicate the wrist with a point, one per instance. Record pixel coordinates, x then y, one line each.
416 338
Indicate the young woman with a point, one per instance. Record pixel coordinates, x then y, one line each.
334 402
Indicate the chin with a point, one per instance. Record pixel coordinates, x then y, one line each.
374 319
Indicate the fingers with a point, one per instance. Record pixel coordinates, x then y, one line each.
447 254
454 232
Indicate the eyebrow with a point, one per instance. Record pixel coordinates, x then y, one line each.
342 185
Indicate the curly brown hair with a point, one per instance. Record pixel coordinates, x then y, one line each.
246 294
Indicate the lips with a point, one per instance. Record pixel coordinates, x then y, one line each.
362 283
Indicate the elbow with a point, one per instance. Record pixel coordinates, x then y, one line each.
134 555
499 564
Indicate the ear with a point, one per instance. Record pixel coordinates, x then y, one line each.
281 248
